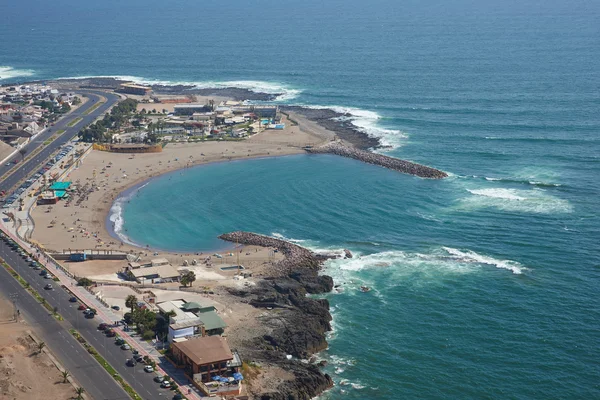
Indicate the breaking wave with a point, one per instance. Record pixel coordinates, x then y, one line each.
7 72
516 200
283 92
368 122
116 215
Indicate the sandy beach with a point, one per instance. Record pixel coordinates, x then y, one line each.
102 176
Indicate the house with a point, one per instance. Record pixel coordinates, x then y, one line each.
210 364
191 319
162 273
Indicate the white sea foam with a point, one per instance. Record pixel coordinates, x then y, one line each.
368 122
516 200
498 193
471 256
284 92
7 72
116 215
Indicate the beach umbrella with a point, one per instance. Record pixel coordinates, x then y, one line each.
238 376
216 378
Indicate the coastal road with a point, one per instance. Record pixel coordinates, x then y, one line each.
73 357
30 166
141 381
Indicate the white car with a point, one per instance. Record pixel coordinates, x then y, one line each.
166 384
148 368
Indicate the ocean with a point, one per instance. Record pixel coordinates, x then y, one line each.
484 284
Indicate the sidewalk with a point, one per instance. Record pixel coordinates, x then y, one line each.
107 316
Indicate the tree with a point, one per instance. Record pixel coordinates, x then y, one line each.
79 392
188 278
22 152
65 375
131 302
41 346
84 282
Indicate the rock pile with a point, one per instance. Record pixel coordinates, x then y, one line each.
395 164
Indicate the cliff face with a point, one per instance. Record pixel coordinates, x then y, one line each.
297 324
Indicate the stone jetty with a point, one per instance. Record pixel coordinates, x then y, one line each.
395 164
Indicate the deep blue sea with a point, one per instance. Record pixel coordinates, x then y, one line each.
485 284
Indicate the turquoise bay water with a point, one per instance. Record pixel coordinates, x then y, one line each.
485 283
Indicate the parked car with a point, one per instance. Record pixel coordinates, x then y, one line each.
125 346
73 299
178 396
119 341
47 276
116 308
82 307
158 378
165 384
148 368
48 286
102 326
138 358
110 333
131 362
43 273
90 315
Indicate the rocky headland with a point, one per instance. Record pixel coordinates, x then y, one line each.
392 163
294 324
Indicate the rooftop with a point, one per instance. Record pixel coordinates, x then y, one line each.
205 350
163 271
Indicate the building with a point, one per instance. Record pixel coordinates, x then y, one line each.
133 88
210 364
190 319
162 273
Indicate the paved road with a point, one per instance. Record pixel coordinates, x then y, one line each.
82 366
30 166
141 381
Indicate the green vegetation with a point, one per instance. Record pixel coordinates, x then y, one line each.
32 291
188 278
84 282
59 132
118 116
105 365
93 108
74 122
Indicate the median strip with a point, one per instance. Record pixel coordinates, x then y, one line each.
32 291
72 123
92 109
132 393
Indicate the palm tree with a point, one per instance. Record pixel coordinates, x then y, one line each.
22 152
79 392
188 278
131 302
41 345
65 375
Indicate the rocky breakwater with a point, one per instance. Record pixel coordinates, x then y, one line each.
395 164
294 325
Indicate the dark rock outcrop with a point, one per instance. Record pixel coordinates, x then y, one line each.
392 163
339 123
299 325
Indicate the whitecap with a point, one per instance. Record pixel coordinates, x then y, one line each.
367 122
7 72
471 256
534 200
116 215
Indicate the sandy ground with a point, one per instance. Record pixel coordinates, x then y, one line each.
25 374
102 176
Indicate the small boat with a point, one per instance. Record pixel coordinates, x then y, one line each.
365 289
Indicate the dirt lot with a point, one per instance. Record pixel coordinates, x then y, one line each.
26 374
